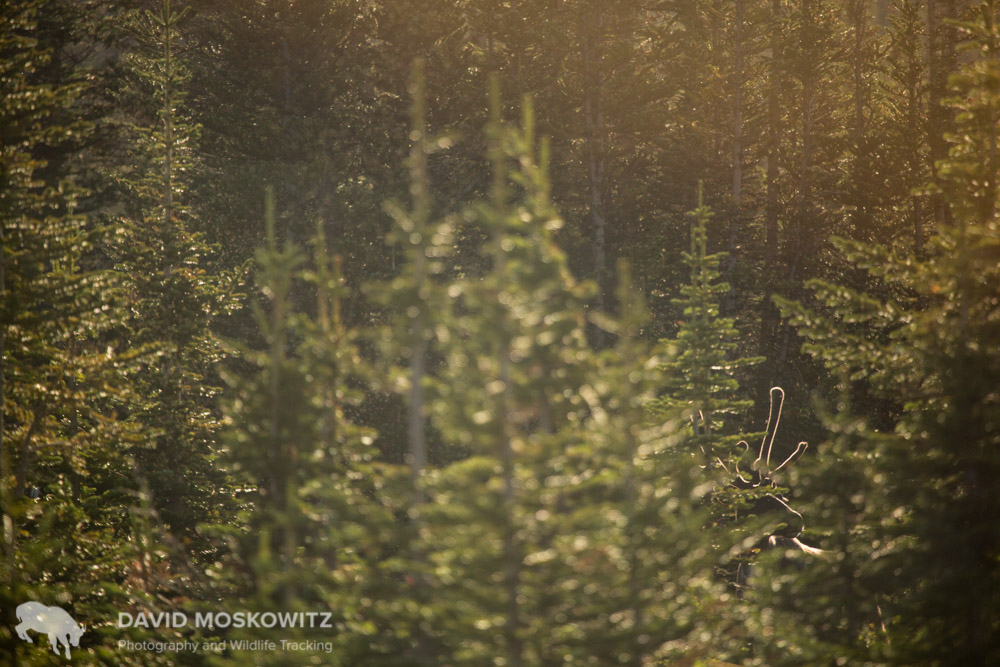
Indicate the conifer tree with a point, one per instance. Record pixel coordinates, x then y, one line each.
176 293
812 607
63 518
306 96
925 347
568 502
700 371
515 353
311 529
747 511
643 510
415 303
907 119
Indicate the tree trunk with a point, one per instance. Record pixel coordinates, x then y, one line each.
940 63
769 318
736 191
634 531
591 28
512 557
913 81
6 516
802 239
21 477
168 118
858 11
416 434
511 552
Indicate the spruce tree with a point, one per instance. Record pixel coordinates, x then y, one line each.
65 519
810 607
927 347
700 372
514 356
311 529
176 294
415 305
643 509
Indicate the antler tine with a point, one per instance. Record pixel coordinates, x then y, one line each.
793 457
736 465
777 421
723 464
813 551
767 429
771 416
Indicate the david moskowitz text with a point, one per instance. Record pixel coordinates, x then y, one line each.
221 619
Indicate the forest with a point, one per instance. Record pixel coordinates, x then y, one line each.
500 332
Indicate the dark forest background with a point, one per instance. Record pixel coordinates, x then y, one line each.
498 328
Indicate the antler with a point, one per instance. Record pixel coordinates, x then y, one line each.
736 464
767 443
793 457
776 418
764 474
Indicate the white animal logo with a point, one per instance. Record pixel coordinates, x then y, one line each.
51 621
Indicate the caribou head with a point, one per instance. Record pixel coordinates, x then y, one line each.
762 476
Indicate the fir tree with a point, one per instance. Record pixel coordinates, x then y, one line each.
701 367
65 521
311 530
176 295
515 351
925 348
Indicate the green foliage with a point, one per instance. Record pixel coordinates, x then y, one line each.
926 523
175 294
515 348
812 608
700 369
309 532
573 491
64 517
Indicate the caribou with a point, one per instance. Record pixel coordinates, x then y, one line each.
762 476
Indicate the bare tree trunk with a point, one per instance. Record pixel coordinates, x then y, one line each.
913 122
591 32
769 319
940 63
6 515
773 135
803 190
168 117
9 576
858 12
736 192
21 477
988 208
